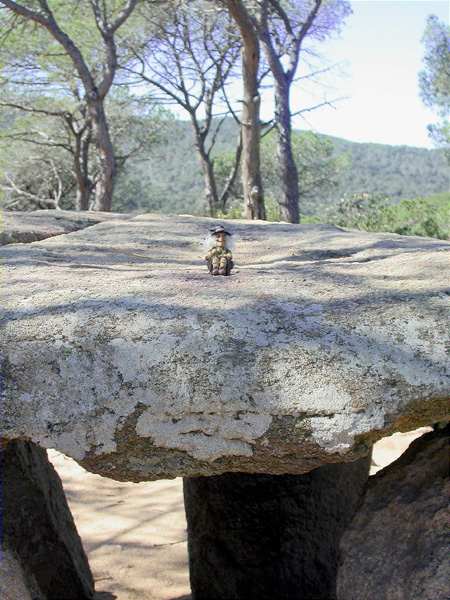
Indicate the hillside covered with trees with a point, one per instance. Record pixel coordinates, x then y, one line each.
170 178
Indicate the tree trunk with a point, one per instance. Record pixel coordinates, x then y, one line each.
289 200
211 195
261 537
105 184
251 135
83 195
210 187
225 194
81 168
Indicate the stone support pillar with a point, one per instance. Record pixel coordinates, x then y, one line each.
36 526
261 537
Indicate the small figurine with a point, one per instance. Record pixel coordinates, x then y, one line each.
219 257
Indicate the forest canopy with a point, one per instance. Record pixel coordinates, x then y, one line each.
88 92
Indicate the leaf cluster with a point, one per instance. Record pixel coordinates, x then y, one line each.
428 216
434 79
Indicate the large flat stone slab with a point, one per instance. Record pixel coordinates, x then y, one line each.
121 351
24 227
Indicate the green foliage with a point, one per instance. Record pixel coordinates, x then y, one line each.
223 163
36 152
396 172
39 168
359 211
422 216
236 210
29 53
272 209
317 165
318 169
434 79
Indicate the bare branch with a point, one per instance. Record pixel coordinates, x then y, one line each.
30 109
23 137
15 188
230 108
23 11
122 16
272 125
316 106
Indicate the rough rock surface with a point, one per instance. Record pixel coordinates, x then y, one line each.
13 585
38 532
123 353
397 546
260 537
25 227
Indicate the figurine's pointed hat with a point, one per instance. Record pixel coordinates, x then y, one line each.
219 229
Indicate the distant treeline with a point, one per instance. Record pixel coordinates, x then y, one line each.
429 216
168 179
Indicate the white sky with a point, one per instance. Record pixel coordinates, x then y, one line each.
381 51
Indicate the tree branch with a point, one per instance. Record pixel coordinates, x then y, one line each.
324 103
233 174
41 111
49 23
15 188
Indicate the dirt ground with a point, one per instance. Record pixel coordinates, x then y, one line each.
135 534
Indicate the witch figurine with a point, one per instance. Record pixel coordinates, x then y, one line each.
219 258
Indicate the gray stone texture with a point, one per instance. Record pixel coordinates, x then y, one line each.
25 227
121 351
398 545
13 584
42 547
260 537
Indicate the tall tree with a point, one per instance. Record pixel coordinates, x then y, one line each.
47 152
283 27
35 168
189 58
39 86
251 104
73 135
434 79
96 79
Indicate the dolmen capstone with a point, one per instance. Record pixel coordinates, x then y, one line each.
24 227
122 352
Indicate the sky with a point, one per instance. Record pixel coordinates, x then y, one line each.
379 52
